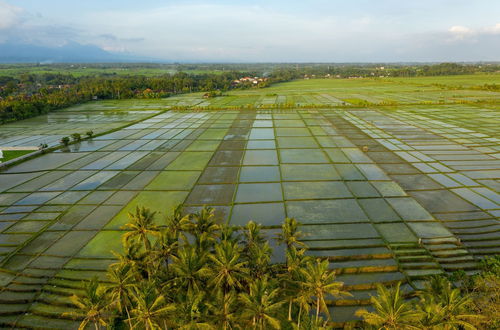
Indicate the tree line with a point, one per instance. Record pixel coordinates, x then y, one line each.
31 94
296 71
191 272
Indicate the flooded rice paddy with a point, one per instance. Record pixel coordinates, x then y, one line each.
386 195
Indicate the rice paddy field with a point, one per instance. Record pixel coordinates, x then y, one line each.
386 193
17 70
341 92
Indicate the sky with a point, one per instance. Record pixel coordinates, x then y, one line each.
263 31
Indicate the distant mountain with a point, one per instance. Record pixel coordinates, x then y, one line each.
71 52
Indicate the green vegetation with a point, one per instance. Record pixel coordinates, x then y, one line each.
34 92
193 272
65 140
32 95
152 69
474 304
114 69
76 137
383 70
127 69
12 154
386 194
351 93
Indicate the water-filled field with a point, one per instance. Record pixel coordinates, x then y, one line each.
386 194
98 117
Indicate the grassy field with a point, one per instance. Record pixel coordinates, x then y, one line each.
453 81
386 193
12 154
79 70
351 92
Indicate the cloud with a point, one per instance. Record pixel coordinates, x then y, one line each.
9 15
112 43
460 32
232 31
42 35
108 36
495 29
457 43
258 33
18 25
221 32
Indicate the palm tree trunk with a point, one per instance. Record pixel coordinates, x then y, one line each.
300 314
290 310
317 309
128 317
96 326
225 314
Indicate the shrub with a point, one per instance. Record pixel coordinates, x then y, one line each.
65 140
76 137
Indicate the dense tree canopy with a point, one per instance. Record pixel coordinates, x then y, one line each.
191 272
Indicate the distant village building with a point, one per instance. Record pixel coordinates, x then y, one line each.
252 80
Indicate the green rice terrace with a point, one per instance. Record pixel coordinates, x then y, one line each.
391 180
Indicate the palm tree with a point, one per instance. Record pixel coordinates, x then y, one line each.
151 309
227 270
192 311
252 235
178 221
141 226
429 314
132 256
485 293
259 259
290 235
93 306
392 311
434 315
320 281
295 260
122 280
443 306
256 249
224 309
229 233
164 248
437 286
261 306
204 227
304 298
191 268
